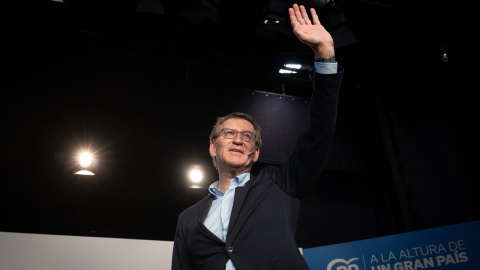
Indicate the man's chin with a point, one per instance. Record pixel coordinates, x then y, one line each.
239 164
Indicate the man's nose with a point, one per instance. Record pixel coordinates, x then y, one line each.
238 139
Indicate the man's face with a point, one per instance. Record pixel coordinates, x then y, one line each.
235 153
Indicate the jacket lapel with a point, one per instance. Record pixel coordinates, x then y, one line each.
240 195
202 213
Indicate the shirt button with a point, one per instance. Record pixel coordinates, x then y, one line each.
230 249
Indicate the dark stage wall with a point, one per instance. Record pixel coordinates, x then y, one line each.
400 160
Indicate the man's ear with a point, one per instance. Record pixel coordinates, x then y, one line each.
213 148
256 154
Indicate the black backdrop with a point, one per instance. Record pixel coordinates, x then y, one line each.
404 155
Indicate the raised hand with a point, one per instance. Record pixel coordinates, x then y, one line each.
311 34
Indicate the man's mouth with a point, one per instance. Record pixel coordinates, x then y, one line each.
236 151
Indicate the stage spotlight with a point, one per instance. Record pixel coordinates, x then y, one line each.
195 175
85 160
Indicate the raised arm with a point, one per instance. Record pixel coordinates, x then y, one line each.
309 157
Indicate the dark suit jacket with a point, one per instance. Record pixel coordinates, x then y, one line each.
261 233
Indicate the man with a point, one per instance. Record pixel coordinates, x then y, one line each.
249 221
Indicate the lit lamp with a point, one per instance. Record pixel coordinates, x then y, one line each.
195 175
85 160
289 68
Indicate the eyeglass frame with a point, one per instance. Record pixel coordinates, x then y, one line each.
222 132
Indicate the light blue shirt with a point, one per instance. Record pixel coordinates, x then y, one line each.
218 217
326 68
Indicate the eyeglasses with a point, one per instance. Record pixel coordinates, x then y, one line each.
247 136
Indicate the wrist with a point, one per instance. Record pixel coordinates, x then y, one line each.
326 60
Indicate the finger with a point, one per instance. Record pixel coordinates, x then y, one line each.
315 18
293 18
305 15
298 14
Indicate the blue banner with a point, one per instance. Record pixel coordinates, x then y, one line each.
448 248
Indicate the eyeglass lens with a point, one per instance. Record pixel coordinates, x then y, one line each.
232 133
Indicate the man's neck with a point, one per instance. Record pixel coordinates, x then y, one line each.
224 178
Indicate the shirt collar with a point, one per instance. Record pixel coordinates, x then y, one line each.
239 180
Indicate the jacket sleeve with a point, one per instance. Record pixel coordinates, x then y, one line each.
309 157
180 258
